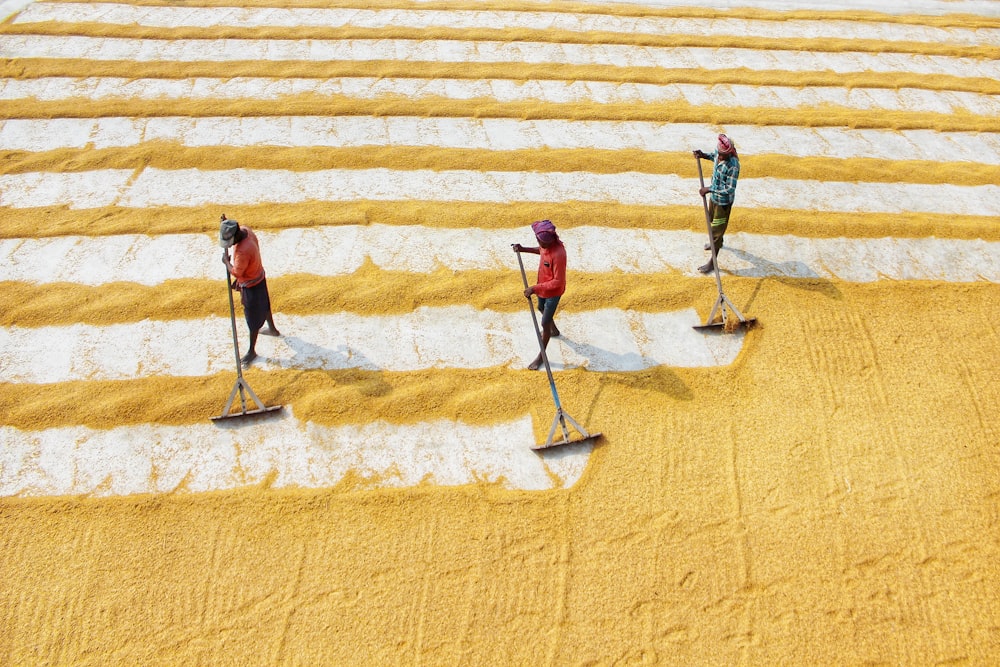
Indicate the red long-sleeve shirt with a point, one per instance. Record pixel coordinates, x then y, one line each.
551 271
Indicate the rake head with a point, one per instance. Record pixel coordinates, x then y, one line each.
731 325
580 439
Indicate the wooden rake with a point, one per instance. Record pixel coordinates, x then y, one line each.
722 302
241 386
561 417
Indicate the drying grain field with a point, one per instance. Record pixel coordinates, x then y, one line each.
822 489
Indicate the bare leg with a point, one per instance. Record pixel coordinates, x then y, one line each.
251 353
546 335
271 330
710 265
718 237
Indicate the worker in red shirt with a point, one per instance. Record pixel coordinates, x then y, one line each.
551 279
248 277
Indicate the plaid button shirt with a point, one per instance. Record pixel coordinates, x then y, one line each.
724 176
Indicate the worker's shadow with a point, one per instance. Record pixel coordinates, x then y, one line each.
341 363
602 360
793 274
631 369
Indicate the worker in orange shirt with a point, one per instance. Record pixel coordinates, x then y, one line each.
247 272
551 283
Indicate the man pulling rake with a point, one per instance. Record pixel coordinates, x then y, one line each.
245 272
248 277
550 287
551 283
718 206
722 193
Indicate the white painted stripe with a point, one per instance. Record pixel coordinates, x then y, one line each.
9 7
929 7
152 458
502 90
452 51
341 250
251 17
449 337
492 134
243 187
157 459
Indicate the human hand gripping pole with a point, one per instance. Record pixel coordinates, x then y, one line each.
561 416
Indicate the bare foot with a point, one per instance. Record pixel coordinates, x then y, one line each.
555 331
248 358
270 331
534 365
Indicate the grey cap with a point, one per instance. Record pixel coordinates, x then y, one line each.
227 233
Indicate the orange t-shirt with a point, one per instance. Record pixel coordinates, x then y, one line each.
247 267
551 271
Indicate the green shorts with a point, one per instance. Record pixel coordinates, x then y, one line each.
719 213
720 220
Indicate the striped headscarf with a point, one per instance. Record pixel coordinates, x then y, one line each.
726 146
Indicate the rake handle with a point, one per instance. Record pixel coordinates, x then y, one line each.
236 340
538 335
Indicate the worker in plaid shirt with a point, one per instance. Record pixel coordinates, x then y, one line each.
722 192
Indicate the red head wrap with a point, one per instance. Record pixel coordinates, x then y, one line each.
726 145
544 231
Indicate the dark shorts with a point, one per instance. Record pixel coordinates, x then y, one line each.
547 307
719 213
256 305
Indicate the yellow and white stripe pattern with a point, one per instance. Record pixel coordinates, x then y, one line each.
388 156
820 490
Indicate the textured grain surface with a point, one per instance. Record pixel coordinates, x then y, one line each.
829 497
